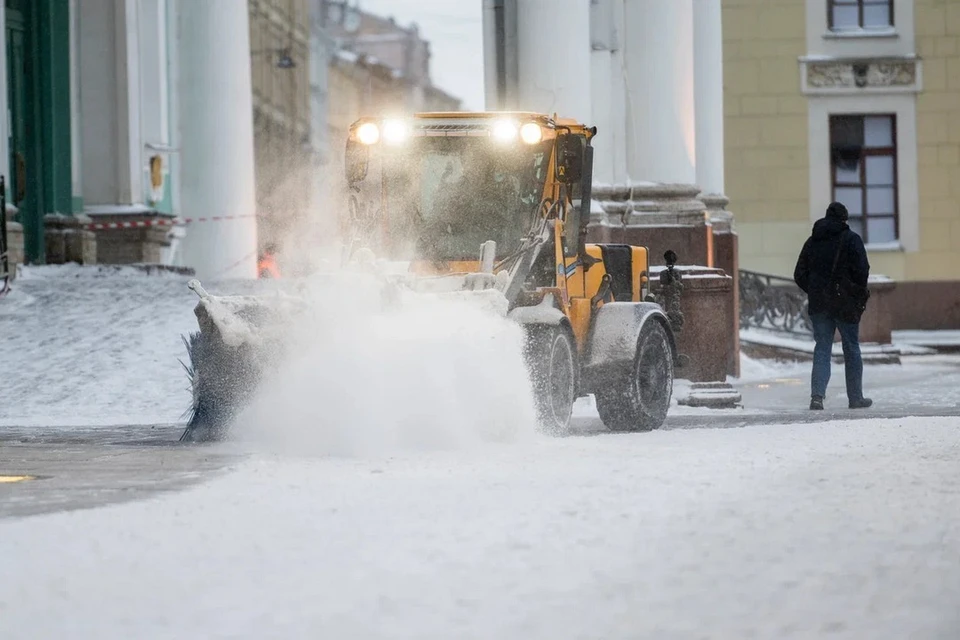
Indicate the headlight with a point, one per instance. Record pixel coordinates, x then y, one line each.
504 131
395 131
368 133
531 133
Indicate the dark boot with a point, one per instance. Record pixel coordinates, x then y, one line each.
862 403
816 403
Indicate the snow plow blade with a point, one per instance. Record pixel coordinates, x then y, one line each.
244 339
240 338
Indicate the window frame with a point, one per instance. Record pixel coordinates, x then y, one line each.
892 152
860 12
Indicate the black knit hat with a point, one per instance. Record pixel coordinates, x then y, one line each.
838 211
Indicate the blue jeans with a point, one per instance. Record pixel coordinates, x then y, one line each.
823 330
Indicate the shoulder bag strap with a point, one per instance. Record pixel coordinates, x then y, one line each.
836 258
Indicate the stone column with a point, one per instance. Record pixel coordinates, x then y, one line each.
708 75
601 90
708 84
604 70
610 185
217 138
661 126
708 90
618 94
553 54
657 205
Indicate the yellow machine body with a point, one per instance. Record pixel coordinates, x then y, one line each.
580 271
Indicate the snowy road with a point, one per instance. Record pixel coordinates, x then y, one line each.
730 524
840 530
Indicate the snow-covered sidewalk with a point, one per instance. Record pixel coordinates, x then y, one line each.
92 346
840 530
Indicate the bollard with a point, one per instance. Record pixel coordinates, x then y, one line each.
671 286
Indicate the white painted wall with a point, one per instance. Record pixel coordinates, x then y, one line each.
98 102
898 41
173 254
130 139
154 83
904 106
173 98
111 148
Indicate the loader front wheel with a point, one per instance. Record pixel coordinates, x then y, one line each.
552 362
639 401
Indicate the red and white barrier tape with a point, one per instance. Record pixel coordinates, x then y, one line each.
159 222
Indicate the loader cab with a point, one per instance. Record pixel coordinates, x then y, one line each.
436 188
441 190
574 172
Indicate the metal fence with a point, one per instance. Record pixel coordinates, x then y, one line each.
773 303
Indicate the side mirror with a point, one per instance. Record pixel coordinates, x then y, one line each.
569 158
356 162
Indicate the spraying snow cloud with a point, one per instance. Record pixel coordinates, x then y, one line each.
362 379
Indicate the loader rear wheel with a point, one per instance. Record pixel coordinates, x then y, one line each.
640 400
552 362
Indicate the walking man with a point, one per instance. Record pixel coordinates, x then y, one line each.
833 270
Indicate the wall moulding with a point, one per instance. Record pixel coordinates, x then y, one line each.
860 75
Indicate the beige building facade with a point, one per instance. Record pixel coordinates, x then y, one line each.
849 100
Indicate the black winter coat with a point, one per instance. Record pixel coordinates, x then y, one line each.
812 273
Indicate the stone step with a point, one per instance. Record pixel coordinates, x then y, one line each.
712 395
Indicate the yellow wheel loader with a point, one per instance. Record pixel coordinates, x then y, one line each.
494 202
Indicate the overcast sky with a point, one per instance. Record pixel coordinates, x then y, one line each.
454 30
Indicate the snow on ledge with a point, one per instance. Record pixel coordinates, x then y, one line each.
106 271
843 34
920 338
770 339
883 247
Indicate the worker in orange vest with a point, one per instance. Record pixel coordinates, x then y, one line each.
267 266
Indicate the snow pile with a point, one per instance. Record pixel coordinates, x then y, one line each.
428 371
86 346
